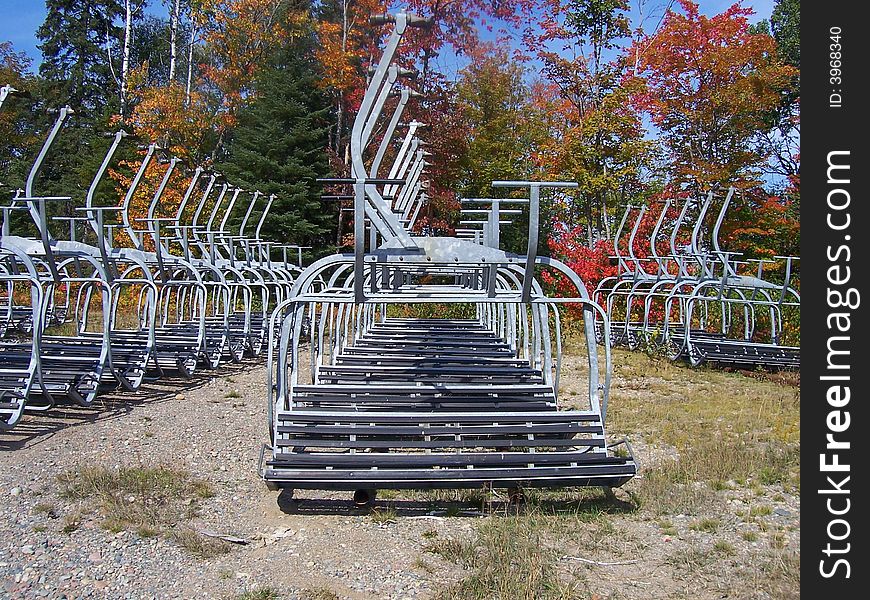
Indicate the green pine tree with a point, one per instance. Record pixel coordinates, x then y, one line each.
279 147
74 37
75 71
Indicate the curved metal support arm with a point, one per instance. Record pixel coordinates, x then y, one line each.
655 232
204 199
263 216
62 114
229 210
128 198
618 235
633 235
391 129
188 193
378 107
256 195
699 223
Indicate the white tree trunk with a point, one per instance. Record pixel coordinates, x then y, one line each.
125 53
173 38
189 64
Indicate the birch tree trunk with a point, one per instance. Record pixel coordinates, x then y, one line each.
173 39
129 13
189 64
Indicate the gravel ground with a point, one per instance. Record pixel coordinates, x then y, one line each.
213 427
203 428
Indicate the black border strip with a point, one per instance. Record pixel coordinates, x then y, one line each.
833 268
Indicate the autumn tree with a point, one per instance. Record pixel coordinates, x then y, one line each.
597 139
185 125
709 85
492 96
152 43
346 45
785 25
780 141
238 36
496 133
15 119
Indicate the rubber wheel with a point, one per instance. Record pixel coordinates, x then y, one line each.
286 502
364 498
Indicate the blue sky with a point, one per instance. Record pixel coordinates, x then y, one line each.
19 20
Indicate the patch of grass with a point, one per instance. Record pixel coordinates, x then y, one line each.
670 489
265 593
232 394
200 545
147 532
319 593
667 528
422 565
696 403
383 516
749 536
690 560
783 572
114 525
621 452
760 510
671 486
47 509
39 528
585 504
148 500
776 573
71 523
777 540
706 524
478 498
723 547
453 550
429 534
389 494
508 558
723 458
724 426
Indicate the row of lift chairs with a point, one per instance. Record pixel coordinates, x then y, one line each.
430 362
183 292
691 300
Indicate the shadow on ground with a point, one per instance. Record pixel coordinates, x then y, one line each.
38 426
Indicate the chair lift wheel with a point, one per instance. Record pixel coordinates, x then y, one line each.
286 502
696 357
516 496
599 333
364 498
672 349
